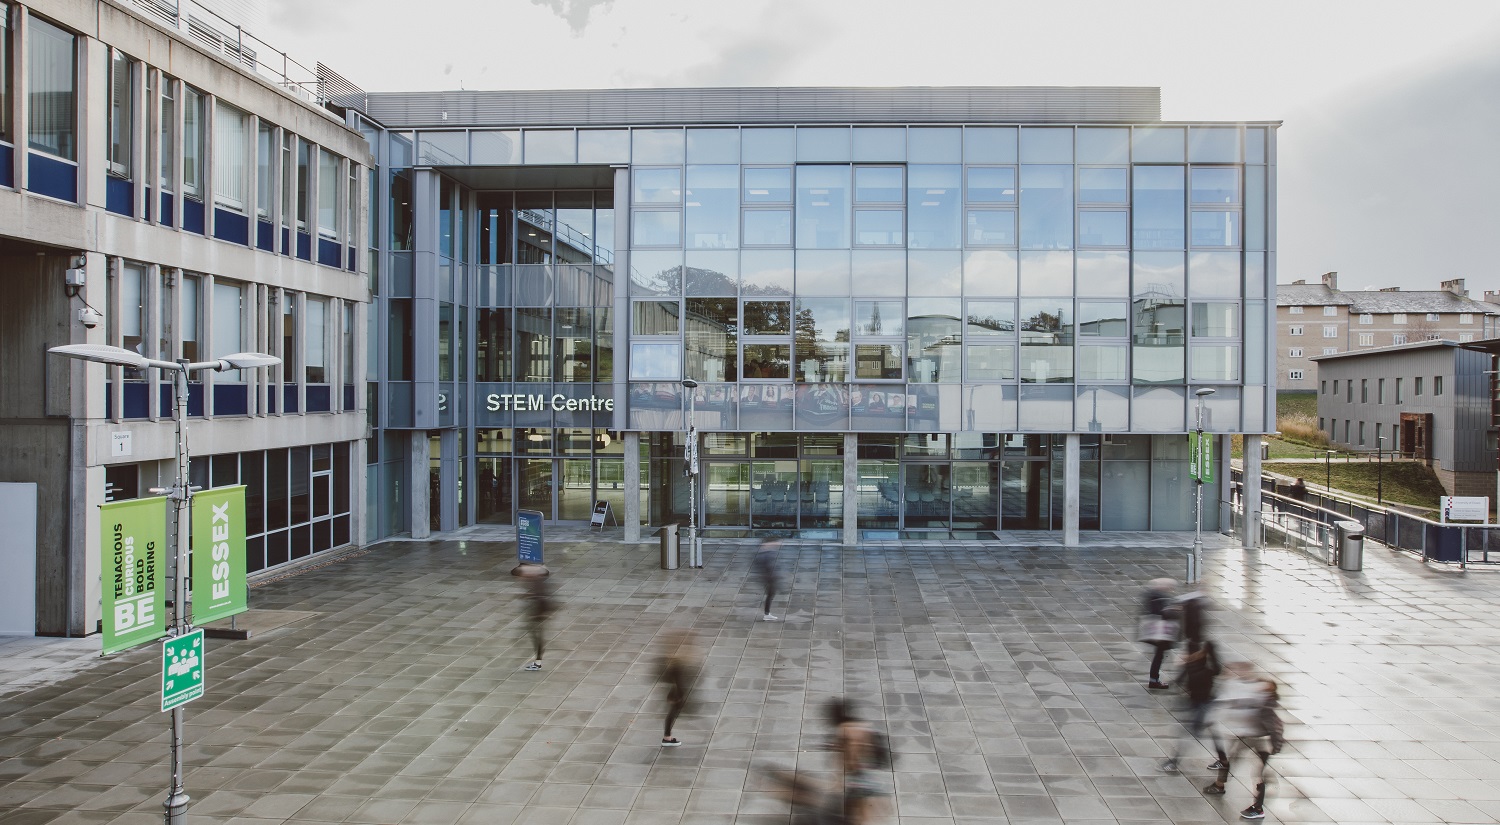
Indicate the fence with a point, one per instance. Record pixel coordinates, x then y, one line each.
1307 523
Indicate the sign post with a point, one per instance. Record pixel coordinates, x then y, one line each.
1465 508
181 669
528 541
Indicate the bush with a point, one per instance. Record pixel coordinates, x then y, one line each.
1302 427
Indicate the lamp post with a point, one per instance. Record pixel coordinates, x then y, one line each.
1198 483
1328 472
181 495
690 453
1379 470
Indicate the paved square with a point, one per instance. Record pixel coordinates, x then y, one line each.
1007 678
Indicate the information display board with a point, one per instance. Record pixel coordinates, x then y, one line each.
529 537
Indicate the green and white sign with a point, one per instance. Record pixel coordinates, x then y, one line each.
1201 456
181 669
218 553
134 538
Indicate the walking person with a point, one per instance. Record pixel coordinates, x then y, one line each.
1159 625
862 751
678 670
1246 711
1192 613
1199 670
767 568
539 607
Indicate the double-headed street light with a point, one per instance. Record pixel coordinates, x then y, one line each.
181 493
690 456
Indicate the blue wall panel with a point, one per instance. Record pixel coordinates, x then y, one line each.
7 165
119 196
192 216
265 235
51 177
231 226
329 252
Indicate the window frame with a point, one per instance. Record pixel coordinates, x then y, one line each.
120 116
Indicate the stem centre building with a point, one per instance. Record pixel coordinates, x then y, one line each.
956 310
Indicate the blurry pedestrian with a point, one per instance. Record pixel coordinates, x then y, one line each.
862 752
1199 670
767 568
1246 714
1192 613
539 607
1159 625
679 668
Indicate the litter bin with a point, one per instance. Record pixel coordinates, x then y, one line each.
669 546
1351 535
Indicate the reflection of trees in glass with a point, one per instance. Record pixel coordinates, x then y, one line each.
702 281
663 282
768 317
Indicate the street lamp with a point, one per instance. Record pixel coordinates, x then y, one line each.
1379 469
1198 499
690 453
181 493
1328 473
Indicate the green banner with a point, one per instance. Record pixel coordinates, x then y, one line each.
218 553
1201 456
134 538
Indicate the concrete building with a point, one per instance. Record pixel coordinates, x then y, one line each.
1429 401
1321 319
952 310
162 194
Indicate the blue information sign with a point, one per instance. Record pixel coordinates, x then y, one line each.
528 537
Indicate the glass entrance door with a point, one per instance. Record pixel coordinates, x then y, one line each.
927 496
534 482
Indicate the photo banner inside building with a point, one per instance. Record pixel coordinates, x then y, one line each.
218 553
134 541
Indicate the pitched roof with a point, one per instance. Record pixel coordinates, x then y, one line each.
1378 303
1312 295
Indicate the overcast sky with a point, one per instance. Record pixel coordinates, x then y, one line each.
1389 149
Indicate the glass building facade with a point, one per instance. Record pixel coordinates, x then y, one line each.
908 310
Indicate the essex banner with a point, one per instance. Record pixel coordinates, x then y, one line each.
134 537
218 553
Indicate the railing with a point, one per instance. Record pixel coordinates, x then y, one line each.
1304 522
231 40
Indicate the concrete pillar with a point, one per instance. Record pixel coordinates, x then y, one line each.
851 489
448 501
1070 489
419 490
1225 485
632 514
1250 533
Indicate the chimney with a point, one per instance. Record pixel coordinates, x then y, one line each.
1491 297
1390 289
1331 280
1455 286
1299 282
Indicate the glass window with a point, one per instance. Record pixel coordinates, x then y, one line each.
660 227
879 143
876 318
1157 208
168 133
658 185
991 184
991 318
879 271
264 148
1214 144
933 273
549 146
656 146
990 272
1102 185
1219 363
712 273
879 227
934 145
328 194
594 146
1046 207
1103 273
990 227
768 146
316 332
713 146
654 318
655 362
768 184
934 338
822 207
5 55
933 207
768 317
1216 228
1103 319
1215 275
1216 320
990 144
816 143
227 335
1213 184
121 109
51 89
767 272
1046 332
1103 363
1046 144
821 334
192 141
991 362
231 150
877 362
768 361
878 184
1103 145
1158 144
768 227
822 272
1046 273
191 311
712 339
1103 228
304 171
713 207
133 312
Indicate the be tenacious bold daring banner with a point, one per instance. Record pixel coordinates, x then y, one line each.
218 553
134 537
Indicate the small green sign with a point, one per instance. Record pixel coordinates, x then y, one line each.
218 553
133 535
181 669
1201 456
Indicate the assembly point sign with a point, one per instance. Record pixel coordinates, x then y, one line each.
135 566
218 553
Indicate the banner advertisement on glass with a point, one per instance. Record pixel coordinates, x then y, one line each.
218 553
134 538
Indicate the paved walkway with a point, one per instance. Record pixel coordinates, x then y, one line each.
1007 678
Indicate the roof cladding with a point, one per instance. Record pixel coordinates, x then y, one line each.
642 107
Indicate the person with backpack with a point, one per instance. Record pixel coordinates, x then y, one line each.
1159 625
862 752
1199 670
1246 712
1192 612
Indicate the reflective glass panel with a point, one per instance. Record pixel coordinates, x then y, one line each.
1046 273
1218 228
1255 145
990 144
768 317
879 227
822 207
1046 145
1103 273
655 362
655 273
934 273
1214 144
879 144
662 185
712 339
991 184
879 318
822 272
1214 184
770 361
934 207
1103 318
1103 228
713 146
656 146
879 271
661 227
768 146
1046 207
991 362
1158 203
991 318
878 184
768 227
599 146
768 184
822 144
1216 320
1158 144
550 146
990 227
934 337
877 362
1214 274
713 207
1215 363
990 272
766 272
1103 363
1103 145
1102 184
712 273
934 145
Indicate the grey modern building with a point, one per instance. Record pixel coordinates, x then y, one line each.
1429 401
934 309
